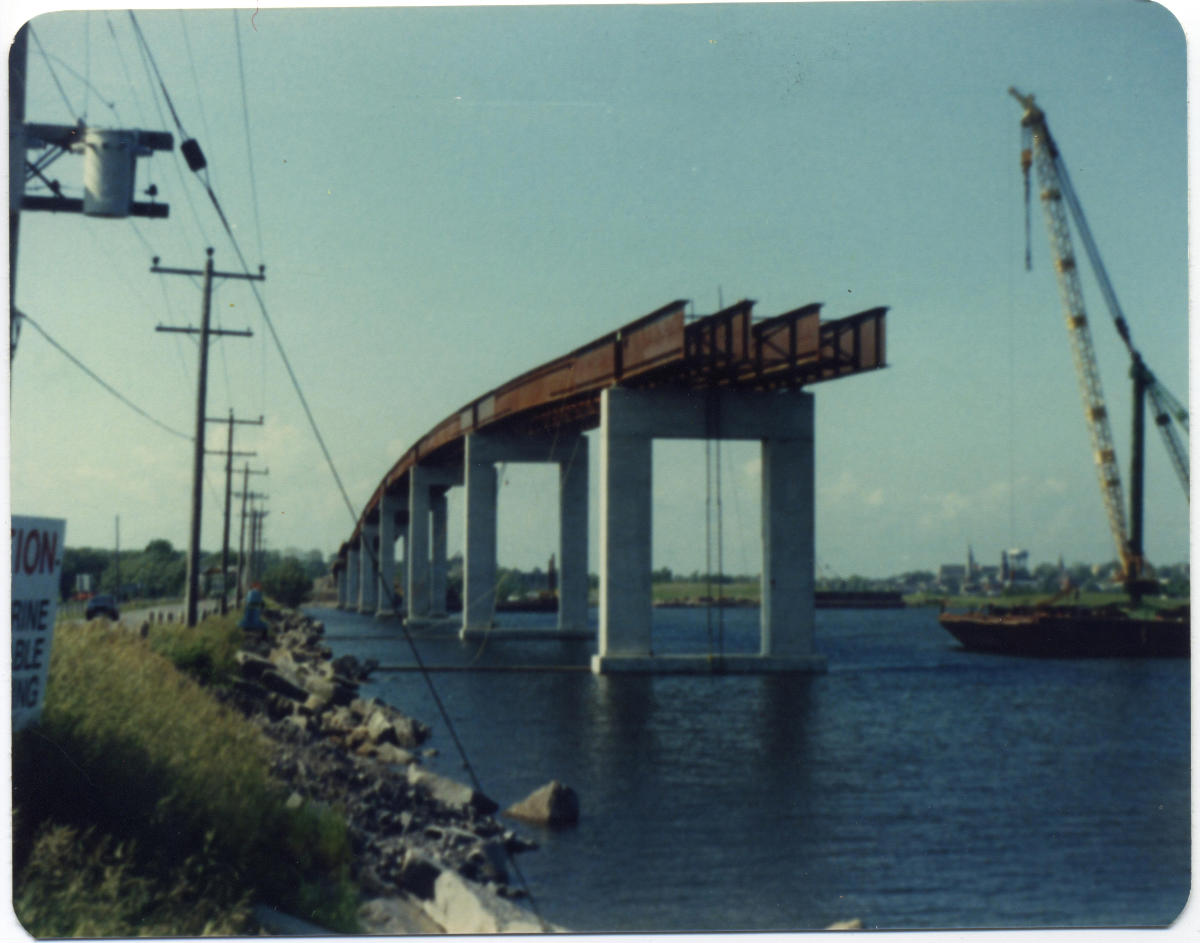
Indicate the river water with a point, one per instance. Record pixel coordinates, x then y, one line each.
914 785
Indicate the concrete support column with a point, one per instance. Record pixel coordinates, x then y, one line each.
788 614
783 422
437 565
479 552
352 574
625 475
573 537
341 588
368 583
402 609
418 544
388 506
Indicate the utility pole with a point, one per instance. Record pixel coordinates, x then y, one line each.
109 161
193 559
229 454
256 549
245 494
17 60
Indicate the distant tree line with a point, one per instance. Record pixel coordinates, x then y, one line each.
665 574
160 570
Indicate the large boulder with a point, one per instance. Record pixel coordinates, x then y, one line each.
386 753
274 681
387 725
447 792
465 907
553 805
395 916
252 666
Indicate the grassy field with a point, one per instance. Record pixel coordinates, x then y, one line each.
141 805
677 591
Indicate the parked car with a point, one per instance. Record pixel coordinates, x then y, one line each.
102 605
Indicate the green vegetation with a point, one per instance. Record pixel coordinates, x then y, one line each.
83 884
142 805
207 653
678 590
288 582
160 570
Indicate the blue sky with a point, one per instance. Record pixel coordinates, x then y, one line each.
448 196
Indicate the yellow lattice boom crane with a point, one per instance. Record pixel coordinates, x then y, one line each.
1040 152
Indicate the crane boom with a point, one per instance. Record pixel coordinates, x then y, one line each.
1040 151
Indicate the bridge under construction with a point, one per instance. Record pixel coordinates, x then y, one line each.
717 377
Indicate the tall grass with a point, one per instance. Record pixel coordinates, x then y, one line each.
207 652
133 748
89 884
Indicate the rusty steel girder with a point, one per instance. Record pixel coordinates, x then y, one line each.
727 349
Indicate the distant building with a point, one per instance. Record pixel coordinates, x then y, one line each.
951 577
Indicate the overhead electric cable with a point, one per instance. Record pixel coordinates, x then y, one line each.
420 662
87 59
246 126
197 164
150 63
137 101
54 75
187 41
88 84
161 84
183 366
82 366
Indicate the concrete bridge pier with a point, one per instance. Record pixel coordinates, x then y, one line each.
368 583
341 587
405 595
353 569
426 512
629 422
437 563
483 451
391 507
573 539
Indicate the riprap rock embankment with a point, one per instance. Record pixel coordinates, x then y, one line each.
428 850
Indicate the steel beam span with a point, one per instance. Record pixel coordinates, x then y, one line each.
665 350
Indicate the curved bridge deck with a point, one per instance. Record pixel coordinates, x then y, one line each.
636 384
726 350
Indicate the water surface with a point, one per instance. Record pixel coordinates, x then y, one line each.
914 785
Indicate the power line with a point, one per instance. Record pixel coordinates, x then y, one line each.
161 84
148 63
82 366
88 85
436 697
54 75
246 126
125 69
197 163
187 41
87 58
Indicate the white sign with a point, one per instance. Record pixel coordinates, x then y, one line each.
37 554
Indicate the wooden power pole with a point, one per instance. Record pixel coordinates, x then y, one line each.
245 494
229 453
208 274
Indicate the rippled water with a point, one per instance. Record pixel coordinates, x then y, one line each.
914 785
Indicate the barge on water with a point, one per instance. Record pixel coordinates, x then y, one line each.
1072 632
